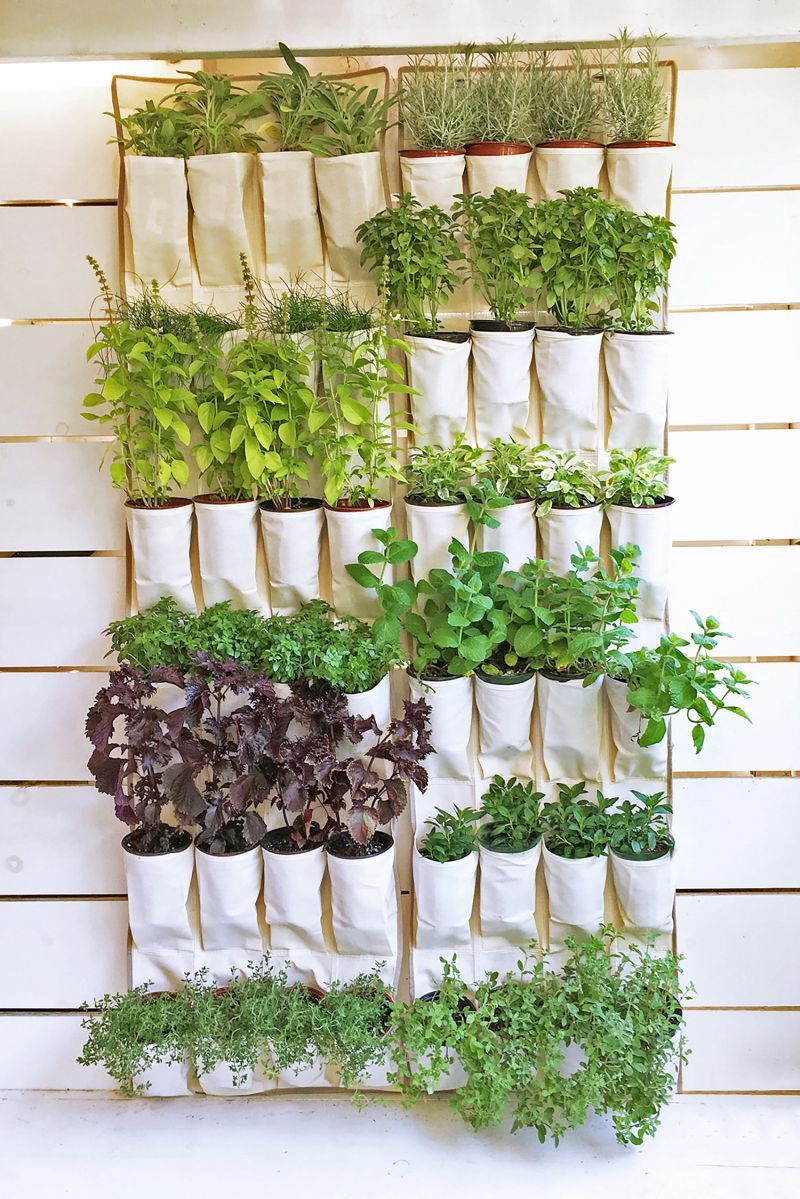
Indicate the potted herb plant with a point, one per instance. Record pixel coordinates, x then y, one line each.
498 153
445 865
507 468
354 1042
295 312
503 252
641 847
134 743
433 97
423 1037
634 110
578 229
155 145
221 171
414 255
636 353
639 511
568 512
143 377
510 846
140 1039
575 861
438 482
288 184
568 115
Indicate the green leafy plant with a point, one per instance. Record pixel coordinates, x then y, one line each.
296 308
434 99
567 101
575 827
215 113
354 1022
157 131
634 102
225 633
511 811
499 96
641 830
133 1031
293 100
412 252
423 1035
637 477
144 395
578 264
147 309
450 836
664 680
155 637
644 247
220 1030
352 119
344 313
438 475
564 479
503 249
509 469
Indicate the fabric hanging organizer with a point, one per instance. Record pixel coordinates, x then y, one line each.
450 702
433 527
433 179
350 190
651 529
438 369
292 542
226 221
508 894
292 232
571 720
564 529
227 537
568 370
501 382
637 366
158 894
229 886
444 893
505 712
157 214
161 539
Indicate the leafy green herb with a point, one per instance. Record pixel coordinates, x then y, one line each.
155 637
578 264
437 475
352 119
293 100
641 829
565 479
134 1031
450 836
636 477
644 247
354 1018
512 814
575 827
503 249
510 470
215 113
157 131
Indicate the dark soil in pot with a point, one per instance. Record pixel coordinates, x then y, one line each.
455 336
374 507
664 502
149 843
228 841
343 846
570 508
210 498
587 332
433 676
564 676
280 841
640 332
464 1005
505 680
504 849
654 855
165 507
302 504
487 326
420 503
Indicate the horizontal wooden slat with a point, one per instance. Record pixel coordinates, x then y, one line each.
737 833
38 1052
769 743
735 485
58 496
44 376
53 610
68 951
719 934
743 1051
735 583
737 128
736 248
43 251
41 725
60 841
735 368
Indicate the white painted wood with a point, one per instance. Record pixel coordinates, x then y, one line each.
736 949
734 368
60 841
770 742
742 1051
58 496
735 485
736 833
737 128
41 725
752 590
53 610
43 251
753 259
44 376
38 1052
68 950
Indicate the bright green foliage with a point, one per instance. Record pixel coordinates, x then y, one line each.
228 633
157 130
423 1035
133 1031
575 827
637 477
293 99
633 97
450 836
643 249
297 308
578 261
344 313
413 254
503 249
511 811
351 119
434 101
641 830
155 637
566 104
436 475
215 113
509 469
354 1020
565 479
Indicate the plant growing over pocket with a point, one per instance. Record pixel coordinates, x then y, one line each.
566 109
641 831
140 1038
575 862
507 469
445 866
354 1024
510 847
638 511
511 814
153 638
498 153
568 493
440 482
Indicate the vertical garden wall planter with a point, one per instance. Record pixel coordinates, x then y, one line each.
571 718
645 889
433 527
376 702
438 369
292 231
158 892
349 534
364 899
568 370
564 165
350 190
433 176
164 1080
637 365
562 528
501 379
450 701
515 535
651 529
508 893
157 211
229 885
227 537
220 1082
293 892
639 174
292 541
444 893
575 892
505 711
632 760
497 164
226 220
161 539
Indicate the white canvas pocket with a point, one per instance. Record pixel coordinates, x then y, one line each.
433 527
501 383
364 904
227 538
638 176
158 893
505 712
444 893
650 529
435 179
645 892
637 365
438 369
571 719
292 230
226 217
229 886
450 702
292 542
349 533
350 190
508 894
293 899
157 212
575 891
568 370
161 540
564 529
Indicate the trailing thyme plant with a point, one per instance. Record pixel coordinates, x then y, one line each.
634 101
133 1031
354 1022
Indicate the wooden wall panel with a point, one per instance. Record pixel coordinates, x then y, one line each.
44 376
743 1051
38 1052
42 719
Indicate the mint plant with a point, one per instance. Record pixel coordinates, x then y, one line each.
636 478
641 830
503 249
450 836
511 815
575 827
563 479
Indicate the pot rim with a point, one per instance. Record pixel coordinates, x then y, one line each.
366 857
511 852
638 145
296 852
567 143
665 502
505 680
638 333
234 853
632 857
176 502
378 505
429 152
565 676
489 149
213 500
310 504
460 504
137 853
487 325
455 336
588 331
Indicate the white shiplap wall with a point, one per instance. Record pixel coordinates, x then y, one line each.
62 915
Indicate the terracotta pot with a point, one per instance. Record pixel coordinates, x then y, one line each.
418 152
633 145
495 149
571 144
